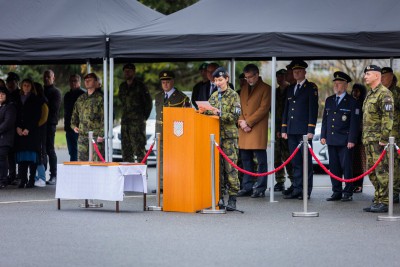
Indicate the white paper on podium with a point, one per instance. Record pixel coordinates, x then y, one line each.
204 104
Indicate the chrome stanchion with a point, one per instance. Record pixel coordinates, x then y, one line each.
305 213
212 210
89 203
390 216
158 207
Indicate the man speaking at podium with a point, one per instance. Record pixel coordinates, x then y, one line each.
169 97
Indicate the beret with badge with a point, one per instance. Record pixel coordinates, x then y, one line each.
220 72
387 70
372 68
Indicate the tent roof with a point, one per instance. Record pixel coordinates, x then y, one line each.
223 29
59 30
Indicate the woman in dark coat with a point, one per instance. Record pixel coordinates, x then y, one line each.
8 114
359 92
28 137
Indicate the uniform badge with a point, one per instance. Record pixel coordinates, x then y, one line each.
178 128
344 118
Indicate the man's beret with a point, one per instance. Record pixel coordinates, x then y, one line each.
91 75
387 70
372 68
281 72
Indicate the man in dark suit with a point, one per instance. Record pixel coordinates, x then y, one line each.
299 118
340 125
199 90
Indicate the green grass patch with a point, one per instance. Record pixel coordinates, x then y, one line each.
60 140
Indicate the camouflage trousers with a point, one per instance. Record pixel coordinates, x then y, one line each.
83 149
133 142
228 175
380 176
281 155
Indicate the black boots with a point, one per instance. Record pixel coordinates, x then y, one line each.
231 203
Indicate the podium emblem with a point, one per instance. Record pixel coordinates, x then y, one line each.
178 128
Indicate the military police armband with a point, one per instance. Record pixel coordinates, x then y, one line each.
388 104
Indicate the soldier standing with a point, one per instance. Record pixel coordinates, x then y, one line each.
377 126
169 97
299 118
226 103
88 115
281 145
389 80
340 126
136 107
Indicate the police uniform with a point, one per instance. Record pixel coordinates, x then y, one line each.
136 107
377 125
299 118
176 99
281 145
340 126
88 115
395 131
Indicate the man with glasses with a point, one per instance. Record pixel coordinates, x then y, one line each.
255 100
299 118
69 101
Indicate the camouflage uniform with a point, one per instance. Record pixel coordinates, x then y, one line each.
281 145
230 103
177 99
136 107
377 125
396 134
88 115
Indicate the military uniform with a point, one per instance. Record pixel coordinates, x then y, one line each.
88 115
340 126
377 126
136 107
299 118
281 145
230 104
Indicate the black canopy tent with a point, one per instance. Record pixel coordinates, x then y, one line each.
64 31
259 29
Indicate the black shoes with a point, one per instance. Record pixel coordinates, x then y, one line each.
346 198
288 191
279 187
377 208
335 197
257 194
155 191
221 203
301 196
231 203
243 193
293 195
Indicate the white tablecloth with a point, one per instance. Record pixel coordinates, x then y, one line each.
99 182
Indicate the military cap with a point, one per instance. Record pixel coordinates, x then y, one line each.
203 66
372 68
341 76
387 70
298 64
129 66
12 76
281 72
166 75
220 72
91 75
241 76
289 67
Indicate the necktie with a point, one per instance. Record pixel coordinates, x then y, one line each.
337 100
297 88
165 98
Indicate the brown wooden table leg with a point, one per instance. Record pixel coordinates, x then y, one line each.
144 201
116 206
58 203
86 203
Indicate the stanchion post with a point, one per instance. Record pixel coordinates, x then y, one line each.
90 203
158 199
390 216
212 210
305 213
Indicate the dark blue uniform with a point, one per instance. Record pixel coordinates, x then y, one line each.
299 118
340 126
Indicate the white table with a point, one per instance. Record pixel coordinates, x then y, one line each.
100 182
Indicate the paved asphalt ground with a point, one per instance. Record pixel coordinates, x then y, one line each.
35 233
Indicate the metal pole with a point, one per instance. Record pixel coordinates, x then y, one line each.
158 207
212 210
88 67
271 178
233 74
111 110
90 136
105 106
305 213
390 216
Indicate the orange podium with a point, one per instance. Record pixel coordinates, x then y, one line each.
187 159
